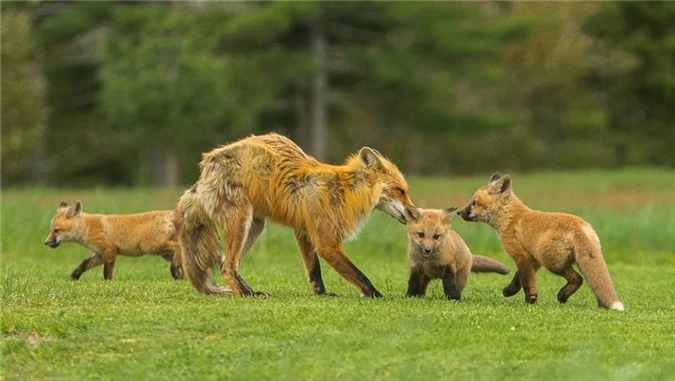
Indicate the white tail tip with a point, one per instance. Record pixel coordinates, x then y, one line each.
618 306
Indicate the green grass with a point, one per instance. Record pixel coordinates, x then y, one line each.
144 325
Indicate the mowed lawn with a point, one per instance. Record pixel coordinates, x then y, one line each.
144 325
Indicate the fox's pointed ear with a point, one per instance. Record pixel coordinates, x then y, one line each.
495 176
503 184
412 213
449 214
74 210
62 205
369 157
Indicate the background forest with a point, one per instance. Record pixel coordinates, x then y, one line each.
131 93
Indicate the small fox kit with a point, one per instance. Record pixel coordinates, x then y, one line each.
109 235
534 239
437 252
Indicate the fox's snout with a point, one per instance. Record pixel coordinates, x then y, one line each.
51 242
426 251
466 215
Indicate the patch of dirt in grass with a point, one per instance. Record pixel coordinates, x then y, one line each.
33 339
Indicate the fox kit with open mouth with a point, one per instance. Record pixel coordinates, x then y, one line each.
437 252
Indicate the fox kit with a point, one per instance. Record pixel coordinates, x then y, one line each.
534 239
437 252
109 235
268 176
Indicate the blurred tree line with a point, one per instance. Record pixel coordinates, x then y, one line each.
133 92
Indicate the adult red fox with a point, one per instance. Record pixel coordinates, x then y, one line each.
268 176
534 239
109 235
437 252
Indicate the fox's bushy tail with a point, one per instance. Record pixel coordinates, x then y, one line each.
481 264
588 255
200 245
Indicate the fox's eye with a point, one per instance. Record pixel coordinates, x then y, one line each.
57 230
437 236
474 203
420 234
401 191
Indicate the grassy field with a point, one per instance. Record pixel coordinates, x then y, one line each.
144 325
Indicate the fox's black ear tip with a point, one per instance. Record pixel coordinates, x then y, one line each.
495 176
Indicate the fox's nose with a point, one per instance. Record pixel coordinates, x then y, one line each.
427 251
47 243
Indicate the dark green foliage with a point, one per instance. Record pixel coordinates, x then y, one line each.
640 100
137 90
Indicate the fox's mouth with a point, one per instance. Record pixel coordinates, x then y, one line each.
53 244
426 253
402 219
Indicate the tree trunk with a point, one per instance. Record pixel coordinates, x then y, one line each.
164 167
301 104
319 89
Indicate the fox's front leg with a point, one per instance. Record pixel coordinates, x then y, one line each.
91 262
312 265
416 283
450 287
527 270
109 267
339 261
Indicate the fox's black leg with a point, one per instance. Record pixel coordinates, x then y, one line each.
574 281
513 287
414 282
312 264
87 264
450 284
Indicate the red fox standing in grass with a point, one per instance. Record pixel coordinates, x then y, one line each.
437 252
108 235
534 239
268 176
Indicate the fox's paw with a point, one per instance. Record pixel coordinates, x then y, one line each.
75 276
261 294
531 299
374 294
328 294
562 297
509 291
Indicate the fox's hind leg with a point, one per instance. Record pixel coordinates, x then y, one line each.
91 262
311 260
574 281
254 232
256 229
237 223
173 256
514 287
